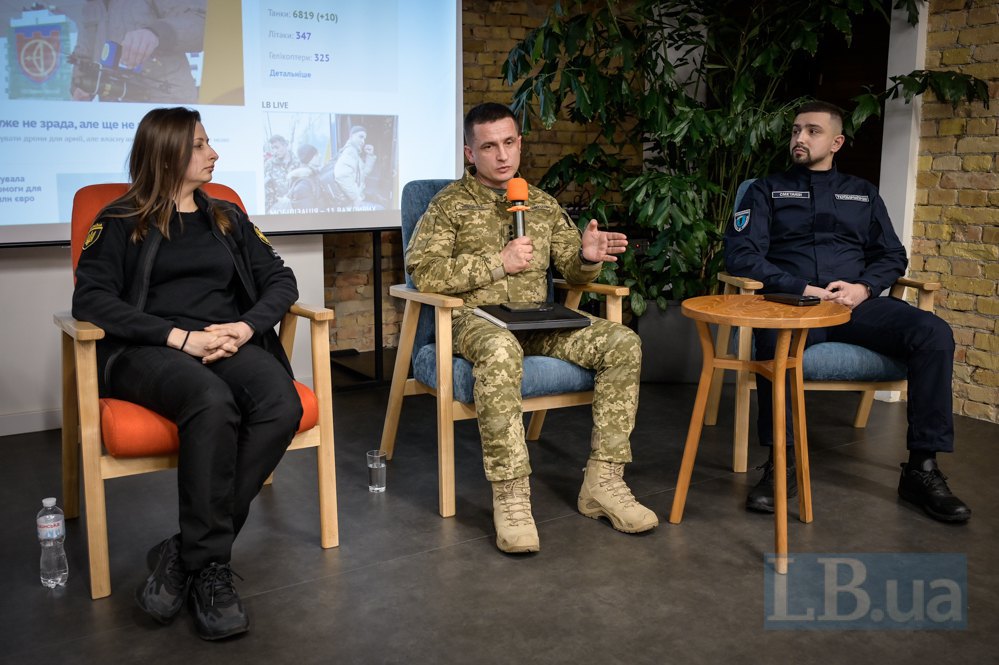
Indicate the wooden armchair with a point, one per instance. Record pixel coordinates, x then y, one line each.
425 345
826 366
115 438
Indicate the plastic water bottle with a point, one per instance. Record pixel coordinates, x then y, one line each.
51 534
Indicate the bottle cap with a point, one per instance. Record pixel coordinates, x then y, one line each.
49 502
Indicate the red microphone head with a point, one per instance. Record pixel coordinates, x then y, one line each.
516 189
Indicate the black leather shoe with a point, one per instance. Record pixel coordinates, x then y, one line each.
927 487
218 612
162 594
761 497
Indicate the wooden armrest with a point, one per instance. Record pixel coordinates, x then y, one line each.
82 331
592 287
918 284
432 299
312 312
740 282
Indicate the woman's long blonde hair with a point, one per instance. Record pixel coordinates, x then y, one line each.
157 163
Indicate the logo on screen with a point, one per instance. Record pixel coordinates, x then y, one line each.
38 52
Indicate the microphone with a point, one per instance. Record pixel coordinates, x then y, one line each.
516 193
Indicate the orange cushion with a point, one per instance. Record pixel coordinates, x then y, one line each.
131 430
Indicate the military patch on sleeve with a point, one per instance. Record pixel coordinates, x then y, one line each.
93 234
741 220
260 234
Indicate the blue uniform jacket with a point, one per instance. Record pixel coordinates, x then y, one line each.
813 227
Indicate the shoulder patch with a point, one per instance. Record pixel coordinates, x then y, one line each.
260 234
862 198
93 234
786 194
741 220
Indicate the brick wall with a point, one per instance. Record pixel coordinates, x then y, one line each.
490 29
956 231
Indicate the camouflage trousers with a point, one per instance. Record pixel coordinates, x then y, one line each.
497 355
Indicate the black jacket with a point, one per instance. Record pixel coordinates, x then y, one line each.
813 227
112 282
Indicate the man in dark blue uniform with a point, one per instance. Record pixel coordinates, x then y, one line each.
815 231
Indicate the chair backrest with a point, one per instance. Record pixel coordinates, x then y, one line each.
90 200
416 196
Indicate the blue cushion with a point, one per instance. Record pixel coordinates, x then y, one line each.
835 361
542 375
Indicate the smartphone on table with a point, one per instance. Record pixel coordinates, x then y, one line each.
792 299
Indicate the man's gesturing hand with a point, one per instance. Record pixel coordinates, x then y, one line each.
602 245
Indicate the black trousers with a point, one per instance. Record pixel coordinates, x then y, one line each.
235 418
921 340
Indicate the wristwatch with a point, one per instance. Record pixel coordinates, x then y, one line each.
585 260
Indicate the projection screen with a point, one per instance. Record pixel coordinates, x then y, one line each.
320 111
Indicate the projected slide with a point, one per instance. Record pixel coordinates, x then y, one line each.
320 109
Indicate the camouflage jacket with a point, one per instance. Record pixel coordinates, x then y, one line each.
455 248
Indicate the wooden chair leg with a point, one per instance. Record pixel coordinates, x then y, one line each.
400 372
322 380
740 429
863 409
70 433
95 509
445 415
744 381
800 429
534 427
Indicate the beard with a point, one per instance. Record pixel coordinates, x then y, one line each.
804 159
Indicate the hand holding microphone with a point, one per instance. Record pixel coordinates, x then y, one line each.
516 194
519 252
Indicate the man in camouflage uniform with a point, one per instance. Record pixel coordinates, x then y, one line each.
464 245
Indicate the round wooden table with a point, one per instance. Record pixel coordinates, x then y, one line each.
792 324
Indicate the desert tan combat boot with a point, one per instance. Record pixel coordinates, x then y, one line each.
605 493
515 530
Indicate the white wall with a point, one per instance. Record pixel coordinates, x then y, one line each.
900 144
35 282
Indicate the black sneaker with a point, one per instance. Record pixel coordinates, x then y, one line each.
927 487
162 594
218 612
761 497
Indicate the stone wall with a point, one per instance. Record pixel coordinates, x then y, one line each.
956 230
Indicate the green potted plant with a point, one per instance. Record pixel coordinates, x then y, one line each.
688 97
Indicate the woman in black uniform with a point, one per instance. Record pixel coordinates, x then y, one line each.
188 291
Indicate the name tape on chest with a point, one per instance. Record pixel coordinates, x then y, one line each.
861 198
786 194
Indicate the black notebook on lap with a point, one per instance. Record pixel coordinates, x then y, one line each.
558 316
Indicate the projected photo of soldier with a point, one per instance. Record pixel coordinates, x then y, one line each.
296 148
306 192
279 161
363 173
132 51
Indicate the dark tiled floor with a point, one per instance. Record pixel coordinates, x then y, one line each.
406 586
